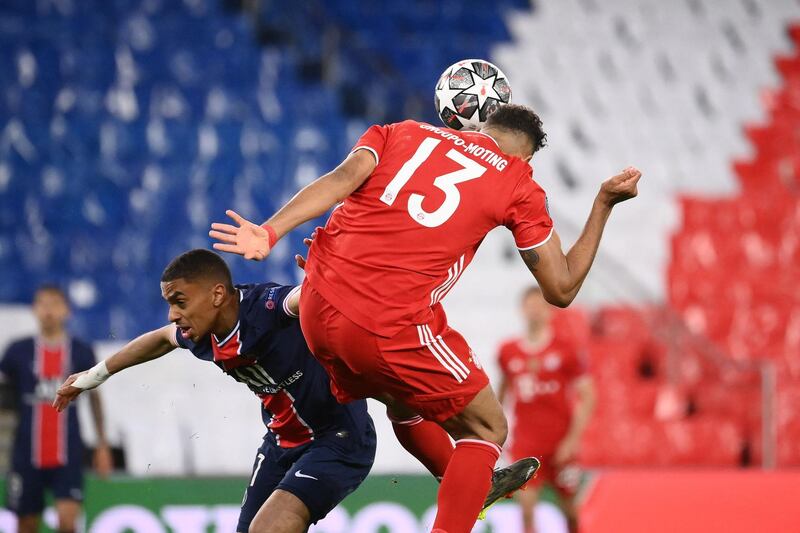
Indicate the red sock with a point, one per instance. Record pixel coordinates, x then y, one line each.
465 485
426 441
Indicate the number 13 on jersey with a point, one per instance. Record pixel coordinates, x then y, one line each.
446 183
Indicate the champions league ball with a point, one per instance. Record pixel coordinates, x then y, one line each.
468 92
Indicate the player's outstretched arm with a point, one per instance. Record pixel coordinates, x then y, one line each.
561 276
147 347
254 242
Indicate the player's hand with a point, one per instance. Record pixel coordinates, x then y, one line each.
621 187
246 238
299 259
66 393
566 451
103 462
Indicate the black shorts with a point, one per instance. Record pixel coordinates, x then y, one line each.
26 485
321 473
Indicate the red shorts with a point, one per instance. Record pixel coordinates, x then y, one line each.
428 367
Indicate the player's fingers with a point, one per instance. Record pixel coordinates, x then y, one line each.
300 260
227 228
223 237
307 242
230 248
236 217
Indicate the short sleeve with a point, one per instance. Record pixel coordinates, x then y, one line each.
578 363
272 308
502 359
528 215
374 140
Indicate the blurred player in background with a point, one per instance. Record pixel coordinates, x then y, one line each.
540 371
417 201
316 451
48 451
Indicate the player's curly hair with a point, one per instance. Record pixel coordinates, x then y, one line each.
196 264
514 117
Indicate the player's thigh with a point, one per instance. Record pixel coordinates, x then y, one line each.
267 472
431 370
283 512
67 512
25 487
330 470
482 418
66 483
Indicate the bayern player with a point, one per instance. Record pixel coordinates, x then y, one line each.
540 371
48 451
416 202
316 451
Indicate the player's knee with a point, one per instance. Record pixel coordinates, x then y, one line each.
499 430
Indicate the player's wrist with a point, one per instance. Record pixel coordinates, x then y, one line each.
604 200
272 235
94 377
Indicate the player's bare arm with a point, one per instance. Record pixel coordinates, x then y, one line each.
253 241
102 460
585 399
147 347
560 276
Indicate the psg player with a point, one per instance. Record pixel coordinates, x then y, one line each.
48 450
541 370
416 202
316 451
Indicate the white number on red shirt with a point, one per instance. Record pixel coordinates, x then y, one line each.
446 183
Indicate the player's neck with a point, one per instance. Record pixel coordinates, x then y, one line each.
228 317
538 334
54 336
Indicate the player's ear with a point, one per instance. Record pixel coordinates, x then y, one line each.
218 293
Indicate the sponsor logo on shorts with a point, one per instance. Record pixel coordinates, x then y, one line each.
301 475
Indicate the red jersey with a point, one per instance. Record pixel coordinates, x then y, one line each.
538 378
397 245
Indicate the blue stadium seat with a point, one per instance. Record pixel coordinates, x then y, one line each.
131 125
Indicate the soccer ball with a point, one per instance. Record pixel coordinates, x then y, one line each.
468 92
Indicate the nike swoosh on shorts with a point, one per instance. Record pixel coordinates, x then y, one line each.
299 474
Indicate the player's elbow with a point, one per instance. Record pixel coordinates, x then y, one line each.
560 299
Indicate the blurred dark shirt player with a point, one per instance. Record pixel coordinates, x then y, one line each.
48 450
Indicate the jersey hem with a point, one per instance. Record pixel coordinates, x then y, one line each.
549 235
370 149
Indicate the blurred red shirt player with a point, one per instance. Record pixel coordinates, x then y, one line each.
541 372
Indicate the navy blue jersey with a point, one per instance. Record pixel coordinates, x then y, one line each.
267 352
45 438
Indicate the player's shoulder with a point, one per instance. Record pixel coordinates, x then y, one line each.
508 346
256 298
81 345
22 345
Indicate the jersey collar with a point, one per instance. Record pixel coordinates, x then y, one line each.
487 135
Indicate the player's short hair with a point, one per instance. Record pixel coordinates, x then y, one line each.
519 118
51 288
199 264
533 290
